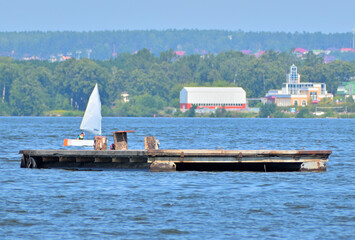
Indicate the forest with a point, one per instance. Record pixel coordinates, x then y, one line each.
35 88
103 45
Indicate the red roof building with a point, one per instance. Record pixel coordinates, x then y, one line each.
301 50
180 53
347 50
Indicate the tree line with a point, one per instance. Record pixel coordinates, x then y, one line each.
153 82
106 44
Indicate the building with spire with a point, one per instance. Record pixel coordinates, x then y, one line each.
295 93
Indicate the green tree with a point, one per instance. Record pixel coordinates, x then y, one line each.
191 112
267 110
349 99
303 113
8 72
76 80
27 96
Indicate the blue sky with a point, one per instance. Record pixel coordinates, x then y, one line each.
247 15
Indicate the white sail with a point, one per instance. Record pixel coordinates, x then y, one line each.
92 117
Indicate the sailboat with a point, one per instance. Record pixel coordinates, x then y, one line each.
91 121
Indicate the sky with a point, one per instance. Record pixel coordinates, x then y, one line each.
327 16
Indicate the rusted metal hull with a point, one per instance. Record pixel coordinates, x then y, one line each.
242 160
179 160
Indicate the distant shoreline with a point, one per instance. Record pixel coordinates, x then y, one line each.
350 116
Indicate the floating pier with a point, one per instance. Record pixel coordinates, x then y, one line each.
178 160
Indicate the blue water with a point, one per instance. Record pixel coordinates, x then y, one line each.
62 204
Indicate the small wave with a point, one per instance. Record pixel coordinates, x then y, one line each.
16 222
173 231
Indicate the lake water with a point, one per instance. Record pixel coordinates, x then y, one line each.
126 204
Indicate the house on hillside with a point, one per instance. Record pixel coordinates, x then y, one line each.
180 53
301 50
125 97
347 50
346 89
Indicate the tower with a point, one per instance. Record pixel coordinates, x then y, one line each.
114 54
88 51
293 76
78 54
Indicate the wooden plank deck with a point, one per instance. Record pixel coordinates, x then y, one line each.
185 159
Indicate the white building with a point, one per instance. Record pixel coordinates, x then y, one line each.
229 98
295 92
125 97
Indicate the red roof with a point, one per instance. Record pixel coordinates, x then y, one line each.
180 53
258 54
246 51
301 50
347 50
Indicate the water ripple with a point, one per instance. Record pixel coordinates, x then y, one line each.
61 204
